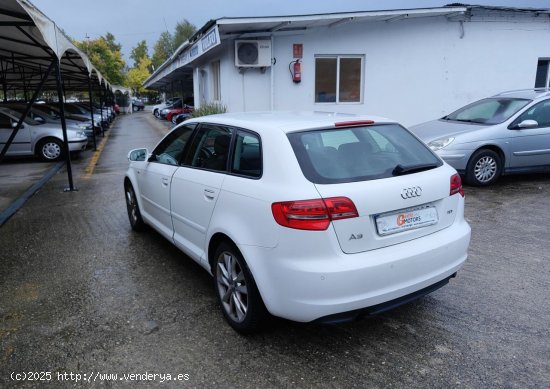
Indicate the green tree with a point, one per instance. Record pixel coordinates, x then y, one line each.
105 55
139 52
184 30
111 42
163 49
137 76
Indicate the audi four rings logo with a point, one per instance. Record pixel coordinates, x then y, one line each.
409 193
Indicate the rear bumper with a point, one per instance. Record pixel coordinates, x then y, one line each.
322 281
383 307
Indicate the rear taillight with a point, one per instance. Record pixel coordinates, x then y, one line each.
456 185
313 214
340 208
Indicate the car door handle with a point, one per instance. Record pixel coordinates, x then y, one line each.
209 194
165 181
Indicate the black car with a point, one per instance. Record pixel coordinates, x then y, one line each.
137 105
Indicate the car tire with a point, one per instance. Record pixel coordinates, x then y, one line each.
174 119
156 113
236 290
132 206
50 149
484 168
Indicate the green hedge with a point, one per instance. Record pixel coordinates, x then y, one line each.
209 109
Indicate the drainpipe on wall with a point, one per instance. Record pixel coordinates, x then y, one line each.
272 97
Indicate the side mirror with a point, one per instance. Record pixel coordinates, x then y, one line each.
14 124
40 119
528 124
138 155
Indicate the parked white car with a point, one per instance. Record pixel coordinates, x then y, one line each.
157 109
306 216
33 138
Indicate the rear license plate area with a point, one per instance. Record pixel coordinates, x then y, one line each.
406 220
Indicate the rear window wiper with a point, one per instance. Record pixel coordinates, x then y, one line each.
401 170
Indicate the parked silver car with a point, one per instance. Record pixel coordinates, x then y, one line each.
504 134
34 138
54 111
45 117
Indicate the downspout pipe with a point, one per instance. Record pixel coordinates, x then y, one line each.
272 76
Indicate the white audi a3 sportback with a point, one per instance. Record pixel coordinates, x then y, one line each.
306 216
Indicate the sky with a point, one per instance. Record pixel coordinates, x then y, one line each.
132 21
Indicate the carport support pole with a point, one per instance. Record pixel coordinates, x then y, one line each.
92 111
101 109
71 187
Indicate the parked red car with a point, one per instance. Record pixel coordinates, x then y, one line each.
171 115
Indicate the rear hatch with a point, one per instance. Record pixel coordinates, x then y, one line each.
400 189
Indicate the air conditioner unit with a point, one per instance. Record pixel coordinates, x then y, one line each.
252 53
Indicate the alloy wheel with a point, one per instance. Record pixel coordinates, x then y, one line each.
232 286
132 206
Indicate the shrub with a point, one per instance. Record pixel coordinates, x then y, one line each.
209 109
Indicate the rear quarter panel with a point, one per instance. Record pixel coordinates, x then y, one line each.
243 211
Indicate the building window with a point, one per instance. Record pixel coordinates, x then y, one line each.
216 93
338 79
541 80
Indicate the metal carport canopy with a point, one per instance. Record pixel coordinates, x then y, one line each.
35 55
173 69
29 40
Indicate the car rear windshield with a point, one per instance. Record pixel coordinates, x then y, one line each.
360 153
488 111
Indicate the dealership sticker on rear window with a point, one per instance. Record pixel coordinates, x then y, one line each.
406 220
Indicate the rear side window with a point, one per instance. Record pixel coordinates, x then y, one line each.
247 155
359 153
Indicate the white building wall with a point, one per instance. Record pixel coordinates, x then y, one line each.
414 70
245 90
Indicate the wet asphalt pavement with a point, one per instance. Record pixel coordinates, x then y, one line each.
81 293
